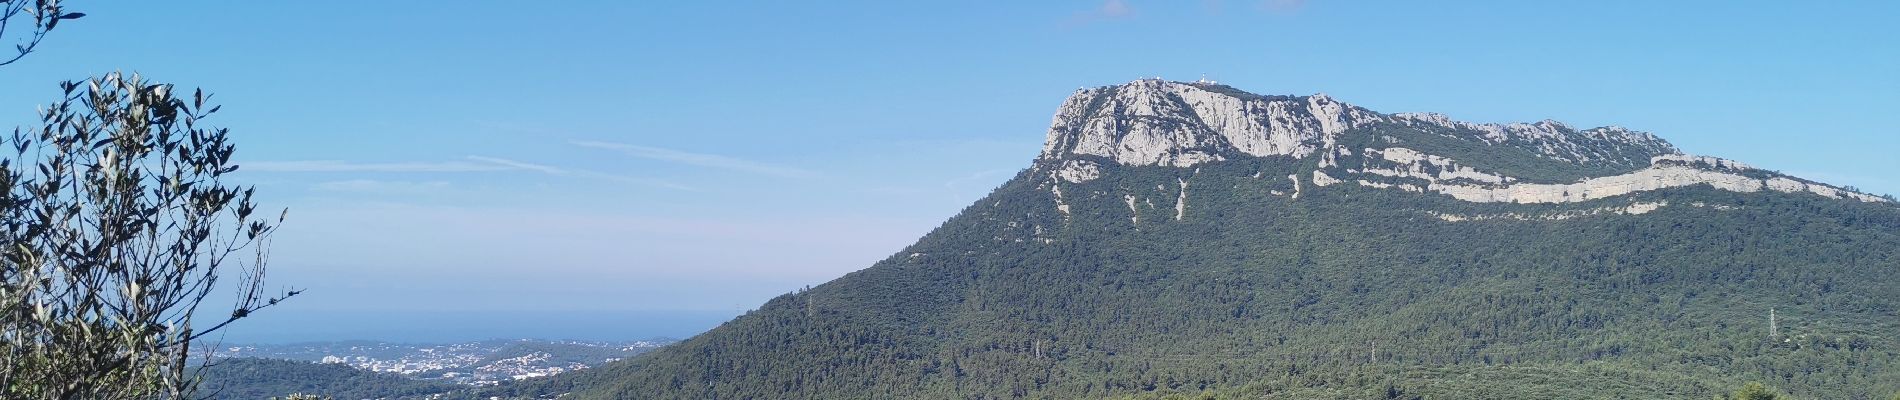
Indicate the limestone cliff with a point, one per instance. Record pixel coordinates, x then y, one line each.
1152 122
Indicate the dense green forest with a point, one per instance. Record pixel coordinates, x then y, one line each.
1347 292
261 378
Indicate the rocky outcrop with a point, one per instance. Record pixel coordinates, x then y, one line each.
1077 171
1656 178
1180 124
1636 208
1413 164
1790 185
1152 122
1552 139
1667 171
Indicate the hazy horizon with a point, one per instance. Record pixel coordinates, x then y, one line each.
439 327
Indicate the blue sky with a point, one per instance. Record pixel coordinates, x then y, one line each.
613 156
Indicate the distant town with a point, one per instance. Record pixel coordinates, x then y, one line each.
479 363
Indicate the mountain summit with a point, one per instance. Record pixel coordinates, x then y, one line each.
1155 122
1190 239
1178 124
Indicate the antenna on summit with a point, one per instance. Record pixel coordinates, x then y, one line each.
1204 79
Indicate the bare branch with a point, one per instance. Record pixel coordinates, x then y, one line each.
43 15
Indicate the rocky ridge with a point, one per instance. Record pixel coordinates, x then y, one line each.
1151 122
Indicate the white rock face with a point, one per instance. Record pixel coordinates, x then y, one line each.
1156 122
1551 139
1785 184
1321 179
1382 185
1665 171
1648 179
1180 204
1137 124
1413 164
1631 209
1685 159
1060 205
1643 208
1134 215
1153 122
1078 171
1781 184
1661 176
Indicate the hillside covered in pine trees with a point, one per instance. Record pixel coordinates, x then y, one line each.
1193 239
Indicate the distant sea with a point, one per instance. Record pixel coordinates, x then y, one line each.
277 326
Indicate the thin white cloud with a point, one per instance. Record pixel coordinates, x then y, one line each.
558 171
346 166
380 186
636 180
700 159
512 164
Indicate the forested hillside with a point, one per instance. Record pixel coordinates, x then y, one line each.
1243 277
1252 294
260 378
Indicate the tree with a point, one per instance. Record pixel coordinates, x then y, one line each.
42 15
116 226
1754 391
